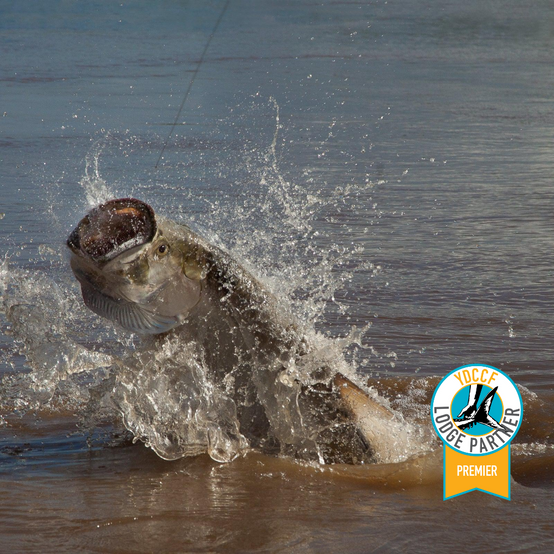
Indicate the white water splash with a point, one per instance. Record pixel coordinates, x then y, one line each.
95 188
43 317
273 235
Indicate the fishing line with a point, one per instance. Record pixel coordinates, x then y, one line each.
171 131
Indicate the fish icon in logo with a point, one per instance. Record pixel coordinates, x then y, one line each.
471 414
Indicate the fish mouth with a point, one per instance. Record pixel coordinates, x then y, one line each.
113 228
124 226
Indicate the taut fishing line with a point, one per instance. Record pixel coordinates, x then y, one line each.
195 73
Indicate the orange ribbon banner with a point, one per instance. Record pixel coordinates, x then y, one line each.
464 473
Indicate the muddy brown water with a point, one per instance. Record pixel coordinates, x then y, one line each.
374 162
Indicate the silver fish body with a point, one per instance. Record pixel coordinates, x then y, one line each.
156 277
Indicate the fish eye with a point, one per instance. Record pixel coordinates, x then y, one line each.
163 249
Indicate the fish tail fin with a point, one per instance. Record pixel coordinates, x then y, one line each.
482 415
388 436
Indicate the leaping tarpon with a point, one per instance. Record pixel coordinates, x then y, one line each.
153 276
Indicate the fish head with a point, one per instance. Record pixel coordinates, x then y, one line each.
130 270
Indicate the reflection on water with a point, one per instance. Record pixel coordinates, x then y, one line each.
127 499
383 163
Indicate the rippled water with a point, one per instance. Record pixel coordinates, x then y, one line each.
384 163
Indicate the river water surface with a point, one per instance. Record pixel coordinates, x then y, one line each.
384 167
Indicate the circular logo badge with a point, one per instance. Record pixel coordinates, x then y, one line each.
476 410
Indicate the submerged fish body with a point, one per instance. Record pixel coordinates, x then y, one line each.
225 369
